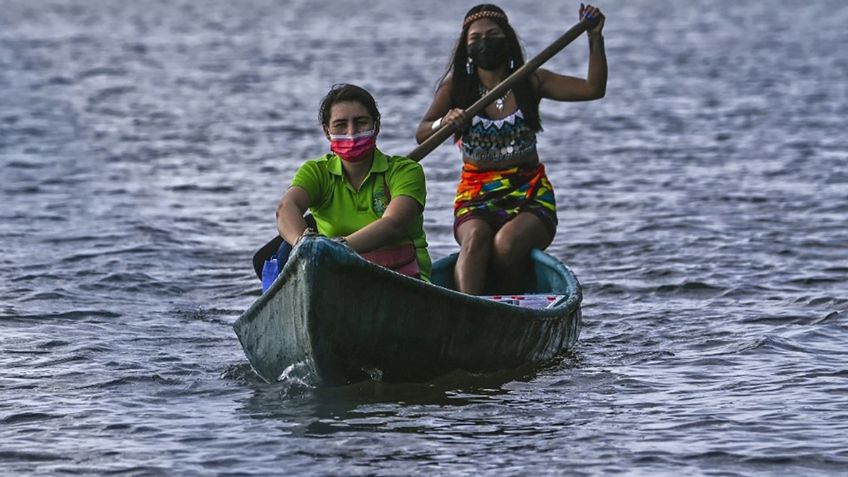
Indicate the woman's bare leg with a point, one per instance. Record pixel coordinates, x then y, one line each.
511 264
475 250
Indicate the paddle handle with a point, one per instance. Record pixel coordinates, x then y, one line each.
443 132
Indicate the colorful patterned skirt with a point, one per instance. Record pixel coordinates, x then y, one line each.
497 196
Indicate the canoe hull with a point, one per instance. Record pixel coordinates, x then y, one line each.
343 319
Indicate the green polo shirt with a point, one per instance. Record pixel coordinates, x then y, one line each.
339 209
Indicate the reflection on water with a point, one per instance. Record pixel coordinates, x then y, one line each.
373 405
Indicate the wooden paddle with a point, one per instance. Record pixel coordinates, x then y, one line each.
444 132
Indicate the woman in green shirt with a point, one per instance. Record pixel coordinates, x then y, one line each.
356 194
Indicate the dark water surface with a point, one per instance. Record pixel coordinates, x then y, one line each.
703 205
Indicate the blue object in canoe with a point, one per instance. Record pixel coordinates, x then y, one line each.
343 319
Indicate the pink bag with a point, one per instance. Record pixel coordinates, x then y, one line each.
402 259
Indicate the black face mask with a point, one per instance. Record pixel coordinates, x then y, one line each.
488 53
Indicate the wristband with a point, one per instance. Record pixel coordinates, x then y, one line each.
436 124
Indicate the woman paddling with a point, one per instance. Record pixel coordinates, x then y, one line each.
504 205
368 200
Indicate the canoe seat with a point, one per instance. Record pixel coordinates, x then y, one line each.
536 301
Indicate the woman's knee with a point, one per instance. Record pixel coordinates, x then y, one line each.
509 250
519 236
475 235
512 245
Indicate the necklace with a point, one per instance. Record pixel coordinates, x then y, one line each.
499 103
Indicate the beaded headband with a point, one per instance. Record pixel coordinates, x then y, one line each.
484 14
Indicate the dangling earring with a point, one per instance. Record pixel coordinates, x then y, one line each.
511 64
469 66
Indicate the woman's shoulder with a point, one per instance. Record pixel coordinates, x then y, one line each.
320 162
320 159
402 166
537 78
317 168
445 84
402 162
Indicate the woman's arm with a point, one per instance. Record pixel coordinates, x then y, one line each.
440 113
290 210
568 88
393 225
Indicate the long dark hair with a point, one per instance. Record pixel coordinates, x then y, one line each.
465 88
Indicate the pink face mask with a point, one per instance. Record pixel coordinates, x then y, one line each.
353 148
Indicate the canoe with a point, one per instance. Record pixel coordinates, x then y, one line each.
336 319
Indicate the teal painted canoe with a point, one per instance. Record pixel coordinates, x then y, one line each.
339 319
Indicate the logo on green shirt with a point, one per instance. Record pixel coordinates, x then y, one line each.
380 200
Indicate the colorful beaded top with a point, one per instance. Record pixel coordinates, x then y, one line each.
494 140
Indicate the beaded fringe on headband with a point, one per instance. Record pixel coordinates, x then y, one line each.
484 14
